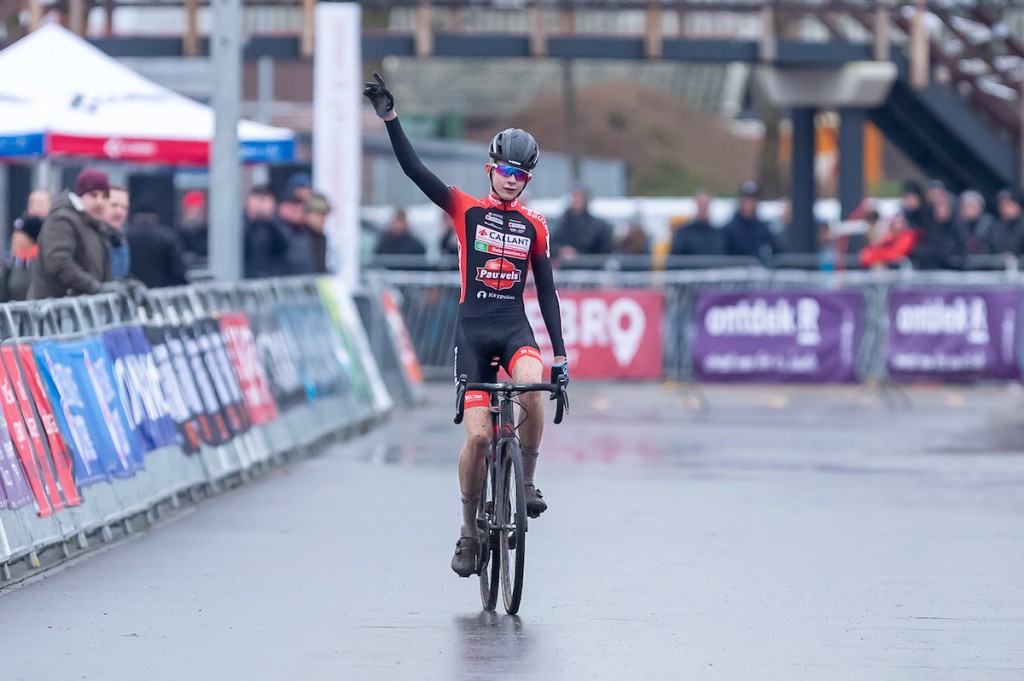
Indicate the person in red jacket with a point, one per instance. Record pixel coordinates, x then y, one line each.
891 247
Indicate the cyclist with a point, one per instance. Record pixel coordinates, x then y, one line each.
499 239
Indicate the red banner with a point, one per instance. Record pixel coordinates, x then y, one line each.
59 452
241 345
610 333
131 149
400 335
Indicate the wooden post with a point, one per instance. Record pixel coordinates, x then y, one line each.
768 47
424 31
76 16
35 9
308 29
539 34
882 50
653 33
919 61
190 41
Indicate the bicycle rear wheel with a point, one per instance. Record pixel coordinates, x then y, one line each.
511 518
490 564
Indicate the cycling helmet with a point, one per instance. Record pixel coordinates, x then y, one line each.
515 147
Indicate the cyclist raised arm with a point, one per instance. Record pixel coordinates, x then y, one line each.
499 240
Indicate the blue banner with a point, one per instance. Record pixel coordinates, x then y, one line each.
79 377
14 489
139 386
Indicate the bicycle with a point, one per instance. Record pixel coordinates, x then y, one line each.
501 514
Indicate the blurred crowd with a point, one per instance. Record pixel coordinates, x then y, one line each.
94 237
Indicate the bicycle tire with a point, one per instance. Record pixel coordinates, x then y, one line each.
512 521
490 570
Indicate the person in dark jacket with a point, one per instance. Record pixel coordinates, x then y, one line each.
579 232
298 258
74 255
398 240
315 213
21 261
698 236
938 246
156 251
1010 225
266 240
747 234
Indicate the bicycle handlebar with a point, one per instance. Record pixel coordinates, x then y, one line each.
557 390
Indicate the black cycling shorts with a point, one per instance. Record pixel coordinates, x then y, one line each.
479 340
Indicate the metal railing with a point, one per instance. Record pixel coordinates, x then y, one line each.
429 303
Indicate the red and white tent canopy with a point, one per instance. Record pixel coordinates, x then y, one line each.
61 96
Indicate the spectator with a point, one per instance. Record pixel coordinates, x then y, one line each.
854 243
747 234
449 242
74 255
298 257
1010 225
634 241
156 252
193 227
580 232
914 207
976 229
316 210
698 236
938 244
39 203
299 185
397 239
266 239
892 247
115 214
21 261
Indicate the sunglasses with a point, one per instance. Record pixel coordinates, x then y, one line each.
511 171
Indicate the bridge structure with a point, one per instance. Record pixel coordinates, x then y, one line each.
940 80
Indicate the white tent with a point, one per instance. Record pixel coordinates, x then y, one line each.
60 96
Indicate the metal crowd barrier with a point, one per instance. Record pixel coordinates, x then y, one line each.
214 384
429 303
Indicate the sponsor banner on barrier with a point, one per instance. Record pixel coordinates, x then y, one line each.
608 333
183 402
278 359
308 331
241 347
139 387
954 335
400 337
96 429
358 355
15 491
186 355
802 337
41 477
222 375
59 452
56 459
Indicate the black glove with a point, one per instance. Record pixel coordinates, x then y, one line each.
558 371
117 287
379 96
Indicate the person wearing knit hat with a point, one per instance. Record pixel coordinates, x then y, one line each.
74 246
18 265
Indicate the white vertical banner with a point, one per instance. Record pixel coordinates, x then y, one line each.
337 138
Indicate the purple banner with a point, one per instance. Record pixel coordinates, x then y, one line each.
954 335
793 337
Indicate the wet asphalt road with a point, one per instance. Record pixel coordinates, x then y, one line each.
775 533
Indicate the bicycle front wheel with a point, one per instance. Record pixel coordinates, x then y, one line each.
490 563
511 519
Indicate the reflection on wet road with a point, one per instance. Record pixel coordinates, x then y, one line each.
734 532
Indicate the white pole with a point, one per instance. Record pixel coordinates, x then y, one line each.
225 218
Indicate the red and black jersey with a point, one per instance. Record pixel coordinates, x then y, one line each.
499 242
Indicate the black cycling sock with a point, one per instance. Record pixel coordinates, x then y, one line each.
529 465
469 528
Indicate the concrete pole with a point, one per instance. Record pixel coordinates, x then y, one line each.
225 217
919 60
264 109
851 159
802 231
571 123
